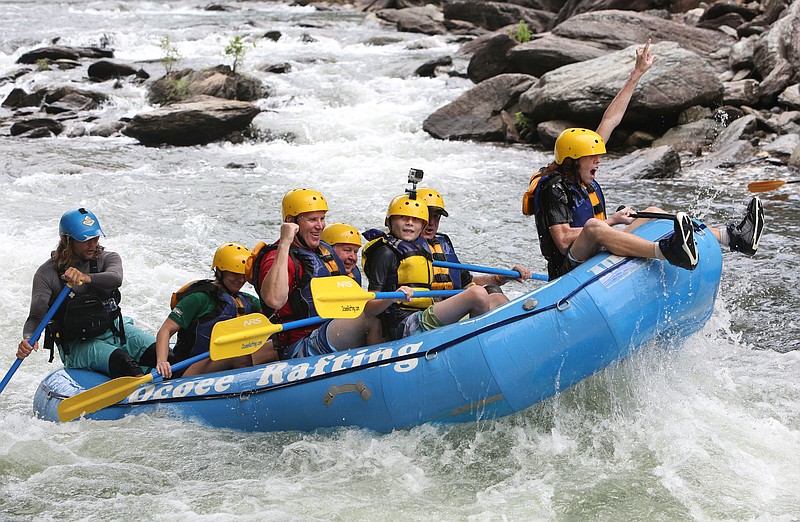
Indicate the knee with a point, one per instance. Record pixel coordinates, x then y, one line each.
479 296
594 228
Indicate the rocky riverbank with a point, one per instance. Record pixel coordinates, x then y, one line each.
723 91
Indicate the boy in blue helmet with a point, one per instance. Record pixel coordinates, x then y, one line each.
88 329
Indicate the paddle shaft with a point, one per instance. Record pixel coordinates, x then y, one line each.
487 270
653 215
421 293
37 333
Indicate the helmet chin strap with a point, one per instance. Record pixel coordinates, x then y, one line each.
299 238
221 281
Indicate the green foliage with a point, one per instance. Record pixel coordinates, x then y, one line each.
171 55
42 64
174 89
236 50
523 33
520 120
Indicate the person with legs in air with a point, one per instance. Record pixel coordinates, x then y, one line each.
571 217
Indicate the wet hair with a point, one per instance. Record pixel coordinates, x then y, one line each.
568 170
64 255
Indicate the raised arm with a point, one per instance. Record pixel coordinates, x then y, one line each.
616 109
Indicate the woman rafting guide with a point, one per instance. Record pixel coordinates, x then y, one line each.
88 329
571 217
200 305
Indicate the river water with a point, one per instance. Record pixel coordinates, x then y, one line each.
707 430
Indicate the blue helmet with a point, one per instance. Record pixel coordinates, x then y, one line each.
80 225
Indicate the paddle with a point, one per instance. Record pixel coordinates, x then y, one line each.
342 298
767 185
37 333
487 270
238 336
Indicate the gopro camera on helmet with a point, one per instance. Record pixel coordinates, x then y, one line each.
414 177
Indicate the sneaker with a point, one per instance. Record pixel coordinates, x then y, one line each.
744 238
680 249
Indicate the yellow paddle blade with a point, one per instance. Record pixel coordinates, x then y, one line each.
241 335
339 296
99 397
766 185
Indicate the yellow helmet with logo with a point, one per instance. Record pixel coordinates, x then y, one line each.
301 200
341 233
576 143
231 257
433 199
403 205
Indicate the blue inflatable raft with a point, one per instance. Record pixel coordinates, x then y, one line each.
497 364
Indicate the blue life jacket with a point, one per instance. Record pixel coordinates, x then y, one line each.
582 208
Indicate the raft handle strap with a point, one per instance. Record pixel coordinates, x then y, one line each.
360 388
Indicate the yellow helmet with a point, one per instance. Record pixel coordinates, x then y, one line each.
576 143
301 200
341 233
403 205
433 199
231 257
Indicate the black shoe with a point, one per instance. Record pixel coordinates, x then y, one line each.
680 249
744 238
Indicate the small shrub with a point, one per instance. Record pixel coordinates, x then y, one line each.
236 50
42 64
520 120
171 55
523 33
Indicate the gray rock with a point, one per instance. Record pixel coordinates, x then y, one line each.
425 20
550 52
790 97
661 162
476 114
621 29
496 15
42 126
490 58
191 123
692 137
782 145
581 92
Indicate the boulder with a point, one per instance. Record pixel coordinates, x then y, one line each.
194 122
550 52
217 82
496 15
37 128
107 70
425 20
581 92
489 59
654 163
620 29
476 114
